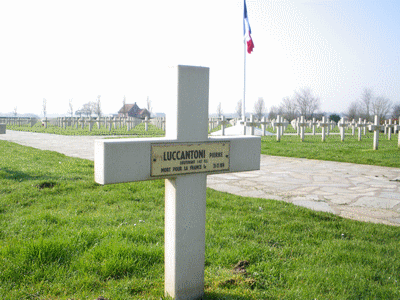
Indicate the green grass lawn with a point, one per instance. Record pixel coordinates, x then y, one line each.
62 236
137 130
350 150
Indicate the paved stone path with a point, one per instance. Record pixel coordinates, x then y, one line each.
359 192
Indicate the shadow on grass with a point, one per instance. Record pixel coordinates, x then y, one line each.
18 175
219 296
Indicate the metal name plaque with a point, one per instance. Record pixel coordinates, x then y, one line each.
185 158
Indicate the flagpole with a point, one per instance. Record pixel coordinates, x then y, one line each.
244 90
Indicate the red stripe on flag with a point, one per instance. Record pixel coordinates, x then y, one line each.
250 45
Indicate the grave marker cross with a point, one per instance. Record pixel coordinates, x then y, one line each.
278 123
342 125
360 125
389 127
252 123
264 123
223 124
313 123
127 160
146 123
302 124
376 127
324 124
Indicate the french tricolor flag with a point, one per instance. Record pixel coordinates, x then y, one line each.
247 30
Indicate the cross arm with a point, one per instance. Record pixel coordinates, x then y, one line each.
128 160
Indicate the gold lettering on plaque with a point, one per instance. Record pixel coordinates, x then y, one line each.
185 158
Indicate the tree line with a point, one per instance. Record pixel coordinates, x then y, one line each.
305 103
369 105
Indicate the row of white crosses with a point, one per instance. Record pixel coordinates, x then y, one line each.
300 125
108 122
17 121
170 157
279 124
297 123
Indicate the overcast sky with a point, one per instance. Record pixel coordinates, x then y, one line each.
61 50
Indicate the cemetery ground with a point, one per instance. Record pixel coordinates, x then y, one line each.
62 236
52 129
350 150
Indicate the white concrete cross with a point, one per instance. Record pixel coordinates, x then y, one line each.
360 125
45 121
313 123
365 127
284 126
128 123
264 123
302 124
252 124
90 121
109 123
353 127
212 123
324 124
82 121
183 157
278 123
389 127
223 123
376 127
146 123
342 125
397 128
384 127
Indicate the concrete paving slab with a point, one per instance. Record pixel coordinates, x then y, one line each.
317 206
376 202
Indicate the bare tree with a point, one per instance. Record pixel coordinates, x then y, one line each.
44 107
381 107
70 108
288 108
396 111
88 108
148 105
259 108
123 106
366 104
219 110
353 111
97 107
307 104
238 109
273 112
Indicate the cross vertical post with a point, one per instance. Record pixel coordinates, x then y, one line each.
389 127
359 125
312 125
185 202
342 125
376 127
302 124
324 124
